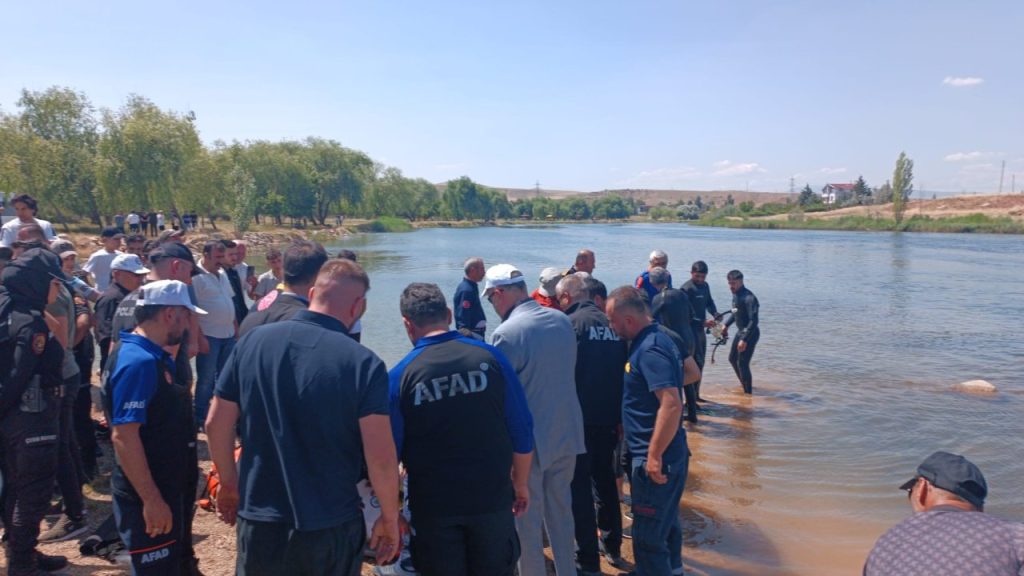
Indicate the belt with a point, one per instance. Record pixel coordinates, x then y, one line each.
55 392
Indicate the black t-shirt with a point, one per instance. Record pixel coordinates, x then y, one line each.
283 308
600 359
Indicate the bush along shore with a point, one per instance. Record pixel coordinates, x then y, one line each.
976 223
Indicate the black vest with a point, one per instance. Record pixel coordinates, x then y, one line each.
166 436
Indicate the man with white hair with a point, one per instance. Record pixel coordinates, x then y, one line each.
541 346
469 313
657 259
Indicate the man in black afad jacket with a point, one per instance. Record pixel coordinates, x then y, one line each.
745 304
600 358
30 375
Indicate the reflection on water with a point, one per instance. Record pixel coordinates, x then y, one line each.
863 335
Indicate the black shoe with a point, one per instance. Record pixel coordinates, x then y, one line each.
48 563
691 418
615 560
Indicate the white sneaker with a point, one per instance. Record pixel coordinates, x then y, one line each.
403 567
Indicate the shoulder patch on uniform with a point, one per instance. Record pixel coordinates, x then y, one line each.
38 343
466 304
267 300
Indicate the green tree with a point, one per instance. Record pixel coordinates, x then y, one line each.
729 200
902 186
861 191
807 196
143 156
242 187
65 121
339 175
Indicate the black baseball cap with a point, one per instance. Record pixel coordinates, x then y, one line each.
111 233
954 474
174 250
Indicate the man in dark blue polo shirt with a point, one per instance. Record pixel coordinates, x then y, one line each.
309 403
652 408
152 432
469 312
461 424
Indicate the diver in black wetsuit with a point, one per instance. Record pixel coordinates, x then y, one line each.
699 293
746 311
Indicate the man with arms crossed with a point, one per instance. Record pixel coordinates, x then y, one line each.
460 422
309 403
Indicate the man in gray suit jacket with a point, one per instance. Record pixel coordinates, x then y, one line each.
541 345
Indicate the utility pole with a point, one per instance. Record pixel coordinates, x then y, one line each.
1002 173
1013 183
792 185
536 188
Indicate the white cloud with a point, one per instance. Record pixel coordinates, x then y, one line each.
728 168
962 81
961 156
828 170
662 177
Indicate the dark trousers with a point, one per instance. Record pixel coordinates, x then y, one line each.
700 350
657 533
741 360
159 556
69 462
594 484
278 549
30 467
690 393
483 545
85 433
105 344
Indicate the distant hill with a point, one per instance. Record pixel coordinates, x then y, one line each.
654 197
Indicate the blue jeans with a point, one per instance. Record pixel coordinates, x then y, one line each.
208 368
657 534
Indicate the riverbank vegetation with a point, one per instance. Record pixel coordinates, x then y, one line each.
87 164
979 223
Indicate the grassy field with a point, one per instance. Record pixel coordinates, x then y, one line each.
977 223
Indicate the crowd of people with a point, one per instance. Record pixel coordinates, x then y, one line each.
475 451
151 223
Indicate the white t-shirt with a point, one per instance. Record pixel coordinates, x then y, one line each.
9 232
98 265
213 294
159 219
132 218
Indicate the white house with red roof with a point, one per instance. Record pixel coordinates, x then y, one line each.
836 193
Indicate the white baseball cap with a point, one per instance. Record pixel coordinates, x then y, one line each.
128 263
167 293
501 275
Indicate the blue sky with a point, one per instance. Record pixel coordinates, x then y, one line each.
582 95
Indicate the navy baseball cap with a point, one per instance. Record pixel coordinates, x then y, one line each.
174 250
111 233
954 474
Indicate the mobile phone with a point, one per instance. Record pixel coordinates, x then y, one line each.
250 270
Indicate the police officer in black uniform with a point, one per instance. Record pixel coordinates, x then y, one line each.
746 312
30 374
701 303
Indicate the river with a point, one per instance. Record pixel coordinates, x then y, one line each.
863 334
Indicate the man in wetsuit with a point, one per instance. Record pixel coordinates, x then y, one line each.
746 318
30 403
469 312
701 302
